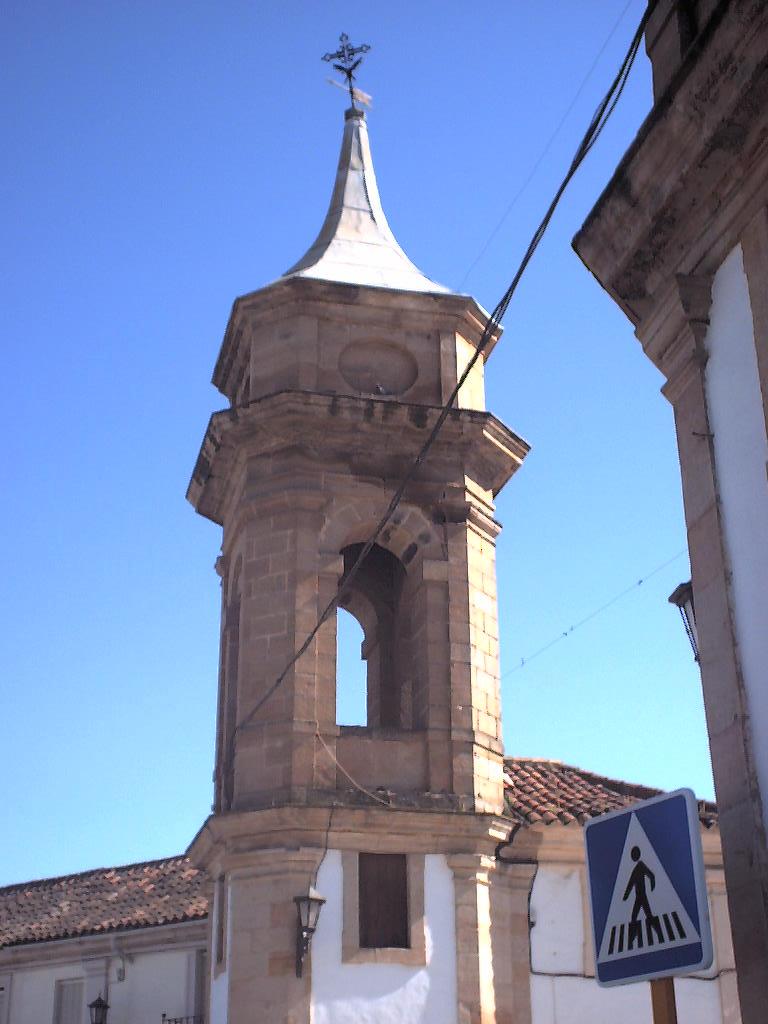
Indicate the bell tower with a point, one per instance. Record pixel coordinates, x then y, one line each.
334 374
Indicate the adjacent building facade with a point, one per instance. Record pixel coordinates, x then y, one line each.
680 241
136 935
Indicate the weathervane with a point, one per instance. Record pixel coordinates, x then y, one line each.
347 65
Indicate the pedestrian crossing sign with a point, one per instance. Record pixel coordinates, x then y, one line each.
648 895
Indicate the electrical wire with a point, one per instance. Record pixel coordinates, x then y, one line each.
593 615
316 872
545 151
601 115
342 769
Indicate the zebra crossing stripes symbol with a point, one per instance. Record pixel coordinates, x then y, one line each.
647 890
658 930
645 912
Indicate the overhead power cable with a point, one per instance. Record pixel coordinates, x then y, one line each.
542 156
565 633
599 119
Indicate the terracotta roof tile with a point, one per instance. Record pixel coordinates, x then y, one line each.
538 791
107 899
172 890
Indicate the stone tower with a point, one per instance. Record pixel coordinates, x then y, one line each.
334 375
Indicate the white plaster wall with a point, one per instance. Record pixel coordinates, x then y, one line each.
386 993
698 1000
32 992
741 454
563 990
218 1000
579 1001
565 1000
557 918
155 983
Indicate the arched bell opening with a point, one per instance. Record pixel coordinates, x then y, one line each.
373 598
351 671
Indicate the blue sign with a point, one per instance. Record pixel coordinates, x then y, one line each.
648 894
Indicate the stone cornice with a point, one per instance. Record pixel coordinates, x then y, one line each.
228 841
480 519
127 942
667 208
372 432
564 844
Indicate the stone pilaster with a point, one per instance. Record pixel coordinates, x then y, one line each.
475 981
675 340
510 924
261 958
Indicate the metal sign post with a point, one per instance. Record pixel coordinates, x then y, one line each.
648 896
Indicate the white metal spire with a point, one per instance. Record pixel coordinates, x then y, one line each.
355 244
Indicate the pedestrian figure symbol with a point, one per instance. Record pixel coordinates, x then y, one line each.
637 883
647 890
645 912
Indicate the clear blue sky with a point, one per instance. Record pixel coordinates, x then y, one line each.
161 159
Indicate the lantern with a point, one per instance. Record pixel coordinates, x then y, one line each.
682 596
308 909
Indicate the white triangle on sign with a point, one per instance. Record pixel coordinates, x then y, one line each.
645 914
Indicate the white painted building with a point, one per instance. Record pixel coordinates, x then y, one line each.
141 935
136 935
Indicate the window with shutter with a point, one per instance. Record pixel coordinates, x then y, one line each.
383 908
68 1002
383 901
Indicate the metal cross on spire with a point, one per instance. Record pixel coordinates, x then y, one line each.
344 61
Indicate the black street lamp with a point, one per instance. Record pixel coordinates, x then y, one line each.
682 596
308 908
98 1010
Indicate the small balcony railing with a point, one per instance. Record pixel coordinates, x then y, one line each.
194 1019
